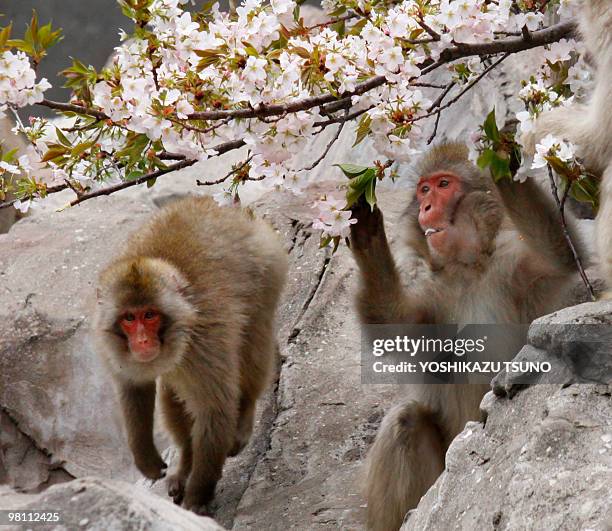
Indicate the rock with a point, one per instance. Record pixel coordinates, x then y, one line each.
22 464
101 504
542 459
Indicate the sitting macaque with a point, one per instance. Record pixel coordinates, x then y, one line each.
188 309
477 254
589 125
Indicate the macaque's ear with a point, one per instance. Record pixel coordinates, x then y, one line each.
179 284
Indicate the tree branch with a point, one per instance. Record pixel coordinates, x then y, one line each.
568 238
459 51
510 45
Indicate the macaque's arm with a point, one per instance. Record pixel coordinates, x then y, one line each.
382 299
137 404
537 219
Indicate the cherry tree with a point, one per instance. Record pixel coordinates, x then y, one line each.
188 86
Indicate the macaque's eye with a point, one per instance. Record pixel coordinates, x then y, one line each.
150 314
129 317
425 189
443 183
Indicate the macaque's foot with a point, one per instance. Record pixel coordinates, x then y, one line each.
151 465
197 498
176 486
241 441
243 434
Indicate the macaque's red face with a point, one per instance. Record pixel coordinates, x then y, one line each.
438 195
141 327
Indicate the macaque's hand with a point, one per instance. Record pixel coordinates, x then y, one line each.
369 226
151 465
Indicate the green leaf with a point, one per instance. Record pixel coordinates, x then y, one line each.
586 191
5 33
133 175
363 129
500 167
370 193
54 151
485 158
358 26
81 148
490 127
358 187
62 138
352 170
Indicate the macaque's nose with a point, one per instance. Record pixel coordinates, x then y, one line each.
143 339
426 208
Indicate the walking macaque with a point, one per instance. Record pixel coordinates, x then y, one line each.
190 304
589 125
477 254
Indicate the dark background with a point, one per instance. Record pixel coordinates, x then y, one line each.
90 29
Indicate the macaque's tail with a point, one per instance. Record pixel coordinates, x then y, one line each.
405 460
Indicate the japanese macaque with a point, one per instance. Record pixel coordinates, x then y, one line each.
477 254
189 306
589 125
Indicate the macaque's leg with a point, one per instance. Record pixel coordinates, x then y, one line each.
246 419
138 404
257 356
406 459
604 229
179 425
381 298
212 436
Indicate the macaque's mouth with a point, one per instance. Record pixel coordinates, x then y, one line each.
146 357
428 232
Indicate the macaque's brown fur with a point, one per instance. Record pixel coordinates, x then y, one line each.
589 125
215 274
521 272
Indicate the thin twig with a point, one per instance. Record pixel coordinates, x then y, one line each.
435 129
78 109
127 184
441 96
470 85
433 34
333 21
220 150
328 147
566 234
233 171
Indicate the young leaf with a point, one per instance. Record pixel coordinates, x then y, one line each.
490 127
363 129
370 193
352 170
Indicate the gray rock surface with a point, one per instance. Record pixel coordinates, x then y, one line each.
542 458
106 505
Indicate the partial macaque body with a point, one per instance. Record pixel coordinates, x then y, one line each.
472 253
589 125
187 311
